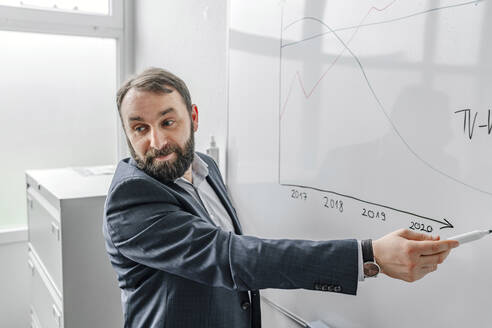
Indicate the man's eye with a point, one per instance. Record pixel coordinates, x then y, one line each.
139 128
168 123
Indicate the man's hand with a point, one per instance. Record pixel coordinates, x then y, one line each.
409 255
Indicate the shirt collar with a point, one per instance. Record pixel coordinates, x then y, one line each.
199 171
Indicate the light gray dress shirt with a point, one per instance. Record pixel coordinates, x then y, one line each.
201 190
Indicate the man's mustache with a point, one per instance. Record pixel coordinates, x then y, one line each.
166 150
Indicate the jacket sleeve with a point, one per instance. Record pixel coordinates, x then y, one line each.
147 225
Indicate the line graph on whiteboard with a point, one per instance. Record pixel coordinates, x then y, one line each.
367 98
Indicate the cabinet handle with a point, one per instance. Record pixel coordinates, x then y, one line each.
55 229
31 266
57 315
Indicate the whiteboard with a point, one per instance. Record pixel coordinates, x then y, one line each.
355 118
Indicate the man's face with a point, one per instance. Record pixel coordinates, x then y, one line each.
160 132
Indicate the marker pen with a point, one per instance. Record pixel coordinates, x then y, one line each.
471 236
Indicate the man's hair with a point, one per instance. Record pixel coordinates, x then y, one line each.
155 80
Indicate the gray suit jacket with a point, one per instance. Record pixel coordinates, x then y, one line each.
176 268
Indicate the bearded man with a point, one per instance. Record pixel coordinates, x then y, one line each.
176 242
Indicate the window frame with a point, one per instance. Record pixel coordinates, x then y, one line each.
64 22
117 25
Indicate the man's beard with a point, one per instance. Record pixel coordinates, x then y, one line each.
170 170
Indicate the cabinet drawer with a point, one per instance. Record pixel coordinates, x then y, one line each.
45 304
45 234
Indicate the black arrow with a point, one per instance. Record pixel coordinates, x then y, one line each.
446 224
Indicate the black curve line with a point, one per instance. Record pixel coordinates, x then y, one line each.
389 119
375 23
447 224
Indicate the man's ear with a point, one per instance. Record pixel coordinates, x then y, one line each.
194 117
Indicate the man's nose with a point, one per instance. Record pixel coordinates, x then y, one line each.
158 139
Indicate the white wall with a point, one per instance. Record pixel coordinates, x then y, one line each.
189 38
14 274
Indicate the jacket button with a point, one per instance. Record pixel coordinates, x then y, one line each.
245 305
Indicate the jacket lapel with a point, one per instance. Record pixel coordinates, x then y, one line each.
196 207
222 194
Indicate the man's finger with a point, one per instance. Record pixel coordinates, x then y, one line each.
427 269
412 235
420 272
434 247
426 260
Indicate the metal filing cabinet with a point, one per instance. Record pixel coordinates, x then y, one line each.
72 283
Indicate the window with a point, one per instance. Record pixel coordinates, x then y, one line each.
60 71
57 104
